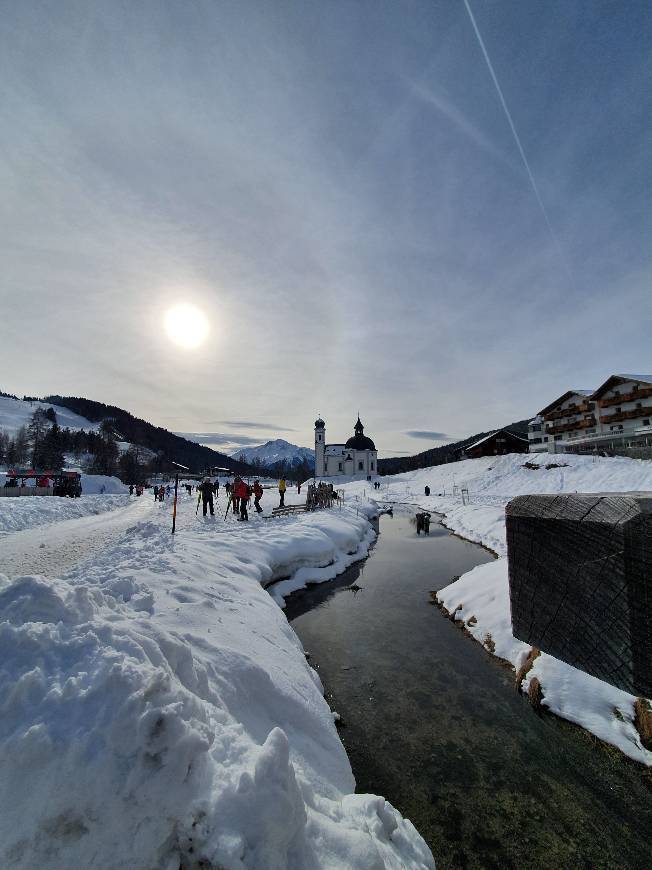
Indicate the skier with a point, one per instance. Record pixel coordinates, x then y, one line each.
427 490
281 491
298 487
419 518
426 524
216 487
206 489
131 489
242 494
258 492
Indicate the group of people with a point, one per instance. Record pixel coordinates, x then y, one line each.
239 493
139 489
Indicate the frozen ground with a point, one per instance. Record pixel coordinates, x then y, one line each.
15 413
157 711
483 593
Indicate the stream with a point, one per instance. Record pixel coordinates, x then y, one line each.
431 721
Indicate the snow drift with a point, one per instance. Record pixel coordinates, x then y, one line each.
157 710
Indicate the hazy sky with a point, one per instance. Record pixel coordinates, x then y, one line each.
336 185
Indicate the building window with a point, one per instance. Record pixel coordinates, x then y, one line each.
646 422
339 466
372 466
360 466
535 441
558 437
545 439
616 392
536 427
325 465
639 404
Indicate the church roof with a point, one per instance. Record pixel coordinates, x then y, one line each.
360 441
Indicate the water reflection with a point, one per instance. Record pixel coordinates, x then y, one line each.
434 724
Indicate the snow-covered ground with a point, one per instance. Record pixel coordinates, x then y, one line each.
17 514
483 593
157 710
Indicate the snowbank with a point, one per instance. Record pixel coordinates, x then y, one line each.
100 484
157 710
17 514
480 598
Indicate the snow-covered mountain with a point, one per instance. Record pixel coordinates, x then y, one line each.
275 451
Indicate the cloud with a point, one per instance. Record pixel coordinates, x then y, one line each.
245 424
217 438
428 435
458 119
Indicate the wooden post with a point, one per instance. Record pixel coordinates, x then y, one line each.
174 509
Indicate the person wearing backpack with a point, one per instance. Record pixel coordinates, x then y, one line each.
281 491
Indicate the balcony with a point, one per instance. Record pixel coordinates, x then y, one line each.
634 414
634 396
584 408
571 427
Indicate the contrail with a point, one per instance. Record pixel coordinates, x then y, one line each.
513 129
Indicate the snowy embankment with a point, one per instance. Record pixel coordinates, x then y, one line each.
157 710
480 598
17 514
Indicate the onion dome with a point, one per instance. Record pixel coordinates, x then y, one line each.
319 423
360 441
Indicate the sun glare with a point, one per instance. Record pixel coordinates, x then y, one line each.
186 325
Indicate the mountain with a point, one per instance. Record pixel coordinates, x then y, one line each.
445 453
272 452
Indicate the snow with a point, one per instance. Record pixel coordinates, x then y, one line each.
15 413
483 593
26 513
157 710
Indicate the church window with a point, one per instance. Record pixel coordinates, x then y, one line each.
339 466
326 465
360 466
372 466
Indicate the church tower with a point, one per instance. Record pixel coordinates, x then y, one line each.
320 446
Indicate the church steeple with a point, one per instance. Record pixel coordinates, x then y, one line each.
358 428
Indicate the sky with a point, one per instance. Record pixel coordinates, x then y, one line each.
367 223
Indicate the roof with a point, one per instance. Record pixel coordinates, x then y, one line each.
491 435
612 380
585 393
360 442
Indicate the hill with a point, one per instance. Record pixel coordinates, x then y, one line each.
166 445
443 454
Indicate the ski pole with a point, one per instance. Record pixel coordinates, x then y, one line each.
228 505
198 500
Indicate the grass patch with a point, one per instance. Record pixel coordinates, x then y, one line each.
526 667
643 721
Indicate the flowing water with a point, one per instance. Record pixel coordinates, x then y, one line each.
432 722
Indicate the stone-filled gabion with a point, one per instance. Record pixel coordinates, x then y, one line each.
580 582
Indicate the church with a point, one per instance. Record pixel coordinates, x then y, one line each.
357 457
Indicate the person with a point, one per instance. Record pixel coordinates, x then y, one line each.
168 490
188 488
235 497
206 490
131 489
427 490
281 491
243 497
258 492
419 518
216 487
298 487
161 493
156 493
426 523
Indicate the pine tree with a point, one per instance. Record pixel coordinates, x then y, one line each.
21 447
52 448
4 445
37 431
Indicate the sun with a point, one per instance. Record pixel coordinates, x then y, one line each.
186 325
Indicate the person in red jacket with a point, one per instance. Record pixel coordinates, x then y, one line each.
258 491
243 494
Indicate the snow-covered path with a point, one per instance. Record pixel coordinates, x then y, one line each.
55 548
